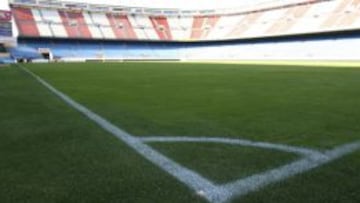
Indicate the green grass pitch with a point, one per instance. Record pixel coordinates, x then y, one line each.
51 153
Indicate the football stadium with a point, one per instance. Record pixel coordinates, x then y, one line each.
156 101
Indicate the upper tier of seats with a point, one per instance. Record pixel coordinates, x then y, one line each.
310 17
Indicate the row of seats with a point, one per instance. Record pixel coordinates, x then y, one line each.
289 49
308 49
320 16
95 50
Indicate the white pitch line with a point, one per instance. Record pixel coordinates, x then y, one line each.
233 141
213 193
188 177
255 182
311 159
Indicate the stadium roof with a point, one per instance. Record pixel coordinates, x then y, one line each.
186 4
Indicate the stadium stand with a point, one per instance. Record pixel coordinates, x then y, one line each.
26 23
317 47
121 26
6 35
202 25
92 33
299 18
161 27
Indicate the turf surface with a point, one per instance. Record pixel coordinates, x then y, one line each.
332 183
49 153
309 106
224 163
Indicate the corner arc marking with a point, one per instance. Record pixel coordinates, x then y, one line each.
232 141
213 193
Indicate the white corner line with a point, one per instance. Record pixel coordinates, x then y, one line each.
255 182
310 159
205 188
234 141
184 175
